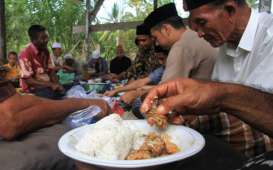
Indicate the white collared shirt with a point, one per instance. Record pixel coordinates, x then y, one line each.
251 63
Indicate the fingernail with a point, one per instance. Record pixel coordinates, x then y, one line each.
144 108
160 109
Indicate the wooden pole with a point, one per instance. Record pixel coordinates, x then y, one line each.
87 24
155 4
2 31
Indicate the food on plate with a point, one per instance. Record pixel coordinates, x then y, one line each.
154 146
111 138
161 121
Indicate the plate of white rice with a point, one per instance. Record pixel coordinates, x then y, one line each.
108 142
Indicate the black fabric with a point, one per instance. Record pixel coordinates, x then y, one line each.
261 162
6 90
35 151
48 93
192 4
160 14
119 64
216 155
142 30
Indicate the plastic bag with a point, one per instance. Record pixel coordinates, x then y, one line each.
76 92
83 117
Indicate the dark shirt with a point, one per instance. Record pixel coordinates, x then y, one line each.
119 64
144 63
6 90
100 65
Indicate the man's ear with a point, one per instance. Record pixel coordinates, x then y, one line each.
166 29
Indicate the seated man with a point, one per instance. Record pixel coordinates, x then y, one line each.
97 65
153 78
29 130
245 57
120 63
56 58
13 70
37 75
188 96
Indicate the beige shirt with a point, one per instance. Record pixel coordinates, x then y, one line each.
191 57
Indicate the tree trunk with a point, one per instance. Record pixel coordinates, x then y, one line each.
155 4
2 31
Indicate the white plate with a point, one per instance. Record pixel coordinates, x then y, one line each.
68 141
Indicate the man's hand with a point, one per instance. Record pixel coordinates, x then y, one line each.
186 96
106 110
129 97
57 87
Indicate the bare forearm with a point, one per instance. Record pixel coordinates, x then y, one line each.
35 113
35 83
53 77
250 105
134 85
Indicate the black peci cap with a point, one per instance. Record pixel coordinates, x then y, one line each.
160 14
142 30
192 4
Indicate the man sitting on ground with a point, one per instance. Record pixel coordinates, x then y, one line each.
37 75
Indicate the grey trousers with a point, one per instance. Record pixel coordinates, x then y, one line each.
35 151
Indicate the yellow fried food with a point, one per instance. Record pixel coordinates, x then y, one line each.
154 146
161 121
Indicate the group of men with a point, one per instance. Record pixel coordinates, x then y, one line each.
231 112
225 92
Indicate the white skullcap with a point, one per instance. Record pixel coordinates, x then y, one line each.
56 45
96 54
68 55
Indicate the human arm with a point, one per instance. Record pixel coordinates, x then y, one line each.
19 117
132 86
190 96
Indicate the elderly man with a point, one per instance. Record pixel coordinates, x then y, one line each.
37 75
97 64
121 62
245 57
190 96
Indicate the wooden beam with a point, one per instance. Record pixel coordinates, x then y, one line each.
108 27
2 31
112 26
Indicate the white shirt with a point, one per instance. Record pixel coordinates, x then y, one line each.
56 60
251 63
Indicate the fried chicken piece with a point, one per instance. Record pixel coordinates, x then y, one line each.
161 121
139 154
170 147
154 146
